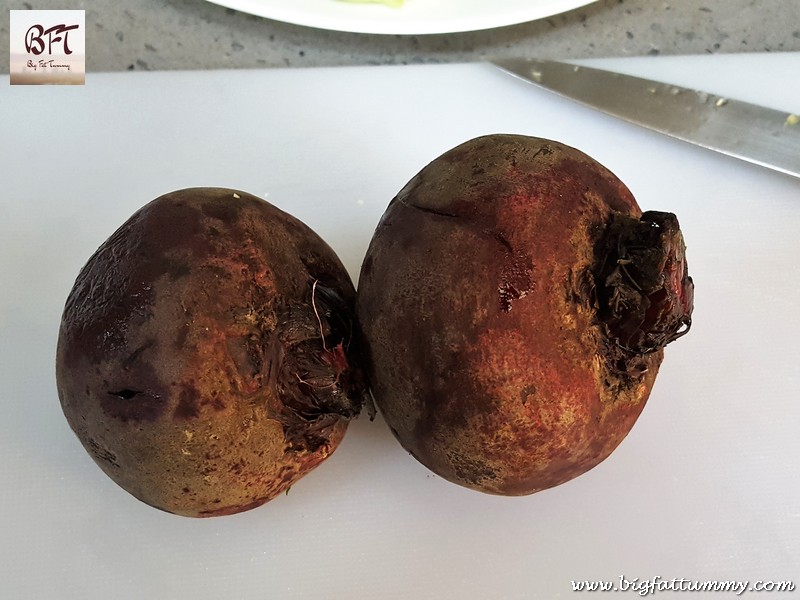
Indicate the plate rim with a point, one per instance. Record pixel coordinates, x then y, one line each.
381 25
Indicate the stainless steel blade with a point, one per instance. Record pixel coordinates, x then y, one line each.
753 133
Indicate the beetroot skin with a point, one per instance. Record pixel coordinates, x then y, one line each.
205 358
514 304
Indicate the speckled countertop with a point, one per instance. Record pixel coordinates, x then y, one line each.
195 34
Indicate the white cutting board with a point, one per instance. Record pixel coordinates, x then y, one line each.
706 487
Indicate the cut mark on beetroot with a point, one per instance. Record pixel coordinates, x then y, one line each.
544 150
515 280
126 394
136 353
102 453
431 211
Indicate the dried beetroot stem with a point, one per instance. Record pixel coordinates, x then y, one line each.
644 293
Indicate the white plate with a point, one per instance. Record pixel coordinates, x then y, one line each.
414 17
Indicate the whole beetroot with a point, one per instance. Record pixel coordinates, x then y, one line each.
514 303
204 358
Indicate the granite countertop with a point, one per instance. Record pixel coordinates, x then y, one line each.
195 34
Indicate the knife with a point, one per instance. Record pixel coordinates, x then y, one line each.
756 134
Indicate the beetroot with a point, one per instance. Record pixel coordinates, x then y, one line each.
514 304
205 358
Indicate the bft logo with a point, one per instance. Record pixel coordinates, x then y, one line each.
35 41
48 47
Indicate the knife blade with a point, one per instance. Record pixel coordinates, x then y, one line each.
756 134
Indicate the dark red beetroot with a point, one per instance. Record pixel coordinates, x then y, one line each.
515 304
205 358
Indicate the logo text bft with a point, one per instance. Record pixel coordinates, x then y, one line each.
35 41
